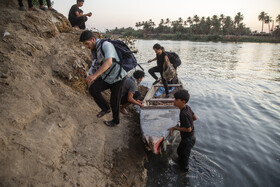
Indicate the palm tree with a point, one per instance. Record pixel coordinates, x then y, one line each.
216 24
228 25
207 25
161 22
278 19
222 20
180 21
267 20
167 21
238 19
262 18
202 26
189 20
196 19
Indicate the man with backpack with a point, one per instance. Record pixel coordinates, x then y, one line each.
105 73
162 63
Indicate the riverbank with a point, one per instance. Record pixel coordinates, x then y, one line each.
217 38
200 38
49 132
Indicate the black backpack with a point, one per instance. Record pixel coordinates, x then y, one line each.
127 59
174 59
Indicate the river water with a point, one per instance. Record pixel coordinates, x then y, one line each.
235 92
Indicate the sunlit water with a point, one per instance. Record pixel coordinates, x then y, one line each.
235 92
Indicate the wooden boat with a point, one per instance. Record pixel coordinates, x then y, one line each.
157 115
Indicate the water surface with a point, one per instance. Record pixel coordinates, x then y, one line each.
235 92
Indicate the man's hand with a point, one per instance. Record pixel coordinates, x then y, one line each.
149 61
90 79
171 130
89 14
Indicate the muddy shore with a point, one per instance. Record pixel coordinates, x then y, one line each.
49 132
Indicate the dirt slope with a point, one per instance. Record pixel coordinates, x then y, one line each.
49 133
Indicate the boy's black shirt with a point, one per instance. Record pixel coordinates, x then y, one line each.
72 13
186 120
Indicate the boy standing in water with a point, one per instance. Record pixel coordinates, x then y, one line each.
186 128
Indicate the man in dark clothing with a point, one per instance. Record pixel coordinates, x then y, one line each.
76 16
130 95
186 128
162 59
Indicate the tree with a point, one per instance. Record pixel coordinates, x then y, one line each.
189 20
262 18
207 25
228 25
238 19
222 20
216 24
278 19
267 20
161 22
167 21
138 24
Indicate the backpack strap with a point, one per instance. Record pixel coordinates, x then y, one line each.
114 60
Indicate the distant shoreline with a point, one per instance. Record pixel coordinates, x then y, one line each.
203 38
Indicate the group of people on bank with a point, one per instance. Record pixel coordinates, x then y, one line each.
106 73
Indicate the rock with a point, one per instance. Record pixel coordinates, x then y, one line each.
70 77
4 76
52 82
6 34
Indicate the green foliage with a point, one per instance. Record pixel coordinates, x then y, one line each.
215 28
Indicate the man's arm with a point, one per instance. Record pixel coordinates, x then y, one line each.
82 15
152 60
108 62
132 100
182 129
194 117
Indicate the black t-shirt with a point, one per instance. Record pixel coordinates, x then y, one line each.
160 60
186 120
72 13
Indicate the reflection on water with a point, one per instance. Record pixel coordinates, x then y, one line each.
235 92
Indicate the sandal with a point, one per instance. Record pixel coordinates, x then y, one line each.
110 123
43 8
102 113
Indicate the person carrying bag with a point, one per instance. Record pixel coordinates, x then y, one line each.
169 71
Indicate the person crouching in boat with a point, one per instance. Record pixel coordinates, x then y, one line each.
130 95
186 128
162 59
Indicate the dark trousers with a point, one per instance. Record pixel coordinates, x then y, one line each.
80 22
48 2
99 86
152 72
30 5
184 151
136 96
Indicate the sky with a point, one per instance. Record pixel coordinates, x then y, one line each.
109 14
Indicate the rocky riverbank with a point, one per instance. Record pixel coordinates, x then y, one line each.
49 133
